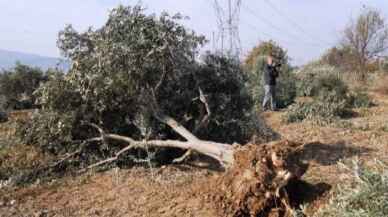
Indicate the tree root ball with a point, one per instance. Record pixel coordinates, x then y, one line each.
256 183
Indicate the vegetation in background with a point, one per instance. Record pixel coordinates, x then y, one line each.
317 78
359 99
341 57
323 109
263 49
367 37
286 83
330 97
18 85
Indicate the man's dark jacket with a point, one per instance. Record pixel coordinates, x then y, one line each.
270 74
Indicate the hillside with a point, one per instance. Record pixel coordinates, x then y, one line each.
9 58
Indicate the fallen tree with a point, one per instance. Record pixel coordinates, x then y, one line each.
256 179
135 84
137 76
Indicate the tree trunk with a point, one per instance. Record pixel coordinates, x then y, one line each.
219 151
257 175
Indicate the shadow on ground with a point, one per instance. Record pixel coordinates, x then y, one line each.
301 192
329 154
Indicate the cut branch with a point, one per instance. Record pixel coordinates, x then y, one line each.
219 151
177 127
205 119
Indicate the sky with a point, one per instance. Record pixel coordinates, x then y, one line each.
306 28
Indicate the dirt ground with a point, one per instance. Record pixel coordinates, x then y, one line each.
177 190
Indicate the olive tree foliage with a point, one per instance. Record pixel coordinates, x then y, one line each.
137 77
367 37
17 86
254 65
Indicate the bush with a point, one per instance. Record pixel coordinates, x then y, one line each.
264 49
49 130
254 64
365 196
326 108
316 78
17 86
330 96
359 99
341 57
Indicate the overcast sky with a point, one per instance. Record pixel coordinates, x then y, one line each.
305 28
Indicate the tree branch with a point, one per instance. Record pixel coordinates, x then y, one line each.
205 118
219 151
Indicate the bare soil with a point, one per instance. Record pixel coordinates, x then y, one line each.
183 190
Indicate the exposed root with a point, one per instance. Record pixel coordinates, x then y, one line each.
255 185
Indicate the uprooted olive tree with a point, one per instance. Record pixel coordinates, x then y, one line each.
135 85
137 77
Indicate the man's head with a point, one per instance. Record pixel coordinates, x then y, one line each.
269 59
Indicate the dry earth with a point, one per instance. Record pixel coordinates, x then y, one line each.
177 190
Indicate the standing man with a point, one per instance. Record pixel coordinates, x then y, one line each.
269 76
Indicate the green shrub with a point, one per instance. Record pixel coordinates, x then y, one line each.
314 79
331 98
365 196
17 86
50 130
359 99
329 95
326 108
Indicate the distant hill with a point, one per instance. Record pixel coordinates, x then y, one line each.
9 58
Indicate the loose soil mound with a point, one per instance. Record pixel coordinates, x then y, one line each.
256 184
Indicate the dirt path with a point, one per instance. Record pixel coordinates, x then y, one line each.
174 191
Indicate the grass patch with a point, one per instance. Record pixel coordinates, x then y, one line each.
365 196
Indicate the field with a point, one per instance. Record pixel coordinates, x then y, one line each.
182 190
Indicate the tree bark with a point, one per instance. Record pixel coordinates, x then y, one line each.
219 151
